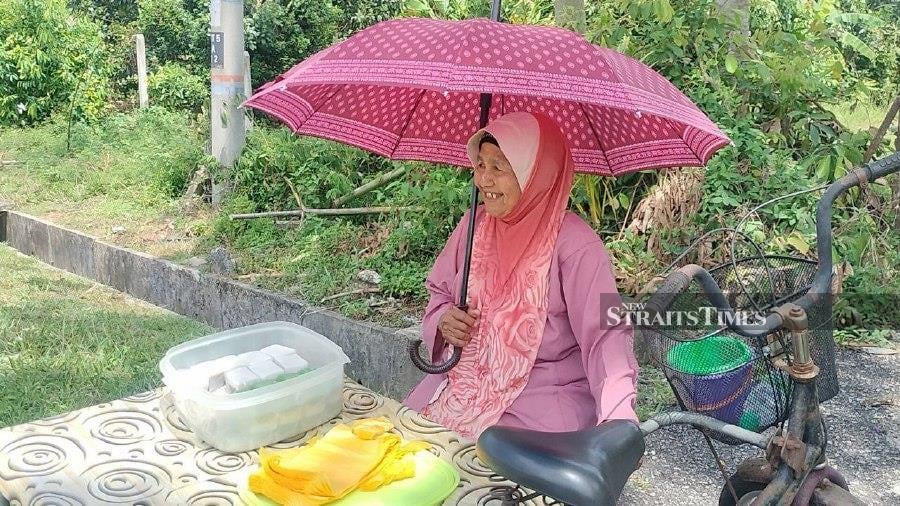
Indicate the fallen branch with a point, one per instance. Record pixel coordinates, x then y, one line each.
11 162
371 185
360 291
324 212
255 275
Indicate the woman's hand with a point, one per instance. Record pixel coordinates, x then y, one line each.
456 325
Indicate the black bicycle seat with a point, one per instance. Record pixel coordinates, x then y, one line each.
585 467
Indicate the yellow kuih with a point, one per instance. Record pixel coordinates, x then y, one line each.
364 455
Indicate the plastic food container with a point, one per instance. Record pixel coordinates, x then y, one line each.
249 420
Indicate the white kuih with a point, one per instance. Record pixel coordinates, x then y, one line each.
265 369
239 379
237 373
277 350
291 363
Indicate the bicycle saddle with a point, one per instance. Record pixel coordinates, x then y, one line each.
585 467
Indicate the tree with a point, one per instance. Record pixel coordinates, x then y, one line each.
570 14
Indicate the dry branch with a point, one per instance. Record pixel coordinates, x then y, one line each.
324 212
351 292
371 185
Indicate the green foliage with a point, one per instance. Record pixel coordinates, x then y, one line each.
871 43
48 59
275 164
121 61
856 336
359 14
280 33
108 12
174 33
173 86
320 171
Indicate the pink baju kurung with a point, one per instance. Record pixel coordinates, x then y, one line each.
585 371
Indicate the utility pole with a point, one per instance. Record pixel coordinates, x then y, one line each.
227 89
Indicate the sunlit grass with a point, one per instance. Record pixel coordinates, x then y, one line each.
67 343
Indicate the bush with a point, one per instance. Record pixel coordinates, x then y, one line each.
175 31
49 56
107 12
275 159
174 87
359 14
280 33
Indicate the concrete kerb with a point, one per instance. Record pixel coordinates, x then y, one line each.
378 356
71 251
28 235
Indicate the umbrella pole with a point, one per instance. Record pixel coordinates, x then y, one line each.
473 205
485 103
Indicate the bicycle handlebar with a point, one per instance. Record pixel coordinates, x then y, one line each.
678 281
869 172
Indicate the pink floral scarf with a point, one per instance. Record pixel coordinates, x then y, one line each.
509 277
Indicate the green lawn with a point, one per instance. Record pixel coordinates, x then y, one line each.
126 171
67 343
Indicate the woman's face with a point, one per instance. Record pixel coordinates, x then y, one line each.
496 181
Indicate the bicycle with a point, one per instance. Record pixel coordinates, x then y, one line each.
791 350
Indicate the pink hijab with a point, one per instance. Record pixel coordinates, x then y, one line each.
509 277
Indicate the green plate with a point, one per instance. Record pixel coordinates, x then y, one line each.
434 481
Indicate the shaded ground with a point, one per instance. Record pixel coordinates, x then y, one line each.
67 343
863 423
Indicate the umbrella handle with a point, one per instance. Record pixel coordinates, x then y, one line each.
441 368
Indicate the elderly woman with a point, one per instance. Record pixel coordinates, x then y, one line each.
539 348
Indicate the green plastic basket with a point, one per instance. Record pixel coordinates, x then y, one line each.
712 355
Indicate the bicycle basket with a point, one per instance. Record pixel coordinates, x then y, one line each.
719 373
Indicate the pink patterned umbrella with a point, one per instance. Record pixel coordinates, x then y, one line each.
409 89
416 89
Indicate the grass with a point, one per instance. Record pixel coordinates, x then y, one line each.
863 115
654 393
67 343
858 337
127 171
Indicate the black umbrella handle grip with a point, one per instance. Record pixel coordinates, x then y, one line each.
424 366
450 363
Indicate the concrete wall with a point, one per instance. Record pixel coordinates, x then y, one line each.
378 356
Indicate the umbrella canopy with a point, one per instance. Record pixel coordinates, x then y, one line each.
410 89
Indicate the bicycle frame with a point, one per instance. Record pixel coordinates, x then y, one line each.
790 456
793 455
